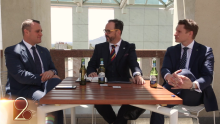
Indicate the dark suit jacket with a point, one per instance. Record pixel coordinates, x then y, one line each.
22 79
201 65
126 58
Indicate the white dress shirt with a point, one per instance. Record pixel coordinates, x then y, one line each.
116 51
31 51
189 52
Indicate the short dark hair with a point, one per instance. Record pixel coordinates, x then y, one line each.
118 24
27 24
190 25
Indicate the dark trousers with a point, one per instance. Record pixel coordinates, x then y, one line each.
190 98
126 112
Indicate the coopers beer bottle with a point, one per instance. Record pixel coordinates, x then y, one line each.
101 72
153 74
82 72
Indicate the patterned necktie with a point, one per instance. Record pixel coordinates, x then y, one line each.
37 61
183 60
112 54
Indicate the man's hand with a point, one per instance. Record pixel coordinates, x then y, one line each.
46 75
138 80
186 83
93 74
56 76
173 79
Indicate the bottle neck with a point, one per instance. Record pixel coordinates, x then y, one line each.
101 63
154 65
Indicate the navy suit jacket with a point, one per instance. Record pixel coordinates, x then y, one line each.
201 65
22 77
126 59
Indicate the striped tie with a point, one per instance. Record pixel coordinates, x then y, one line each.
183 60
112 54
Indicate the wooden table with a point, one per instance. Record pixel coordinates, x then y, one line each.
142 96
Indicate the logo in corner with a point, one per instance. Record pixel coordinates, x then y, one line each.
20 112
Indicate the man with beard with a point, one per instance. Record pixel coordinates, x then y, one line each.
119 56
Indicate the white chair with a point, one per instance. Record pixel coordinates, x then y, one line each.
193 111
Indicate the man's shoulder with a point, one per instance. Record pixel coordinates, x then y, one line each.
41 48
202 47
15 48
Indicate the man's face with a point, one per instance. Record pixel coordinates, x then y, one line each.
35 34
182 35
110 33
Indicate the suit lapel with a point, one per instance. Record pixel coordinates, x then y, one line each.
121 51
106 54
193 54
177 56
25 52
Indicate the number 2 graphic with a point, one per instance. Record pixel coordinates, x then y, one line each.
20 113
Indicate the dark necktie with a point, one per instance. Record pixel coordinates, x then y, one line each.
183 60
37 61
112 54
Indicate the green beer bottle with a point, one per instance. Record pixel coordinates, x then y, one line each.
153 74
82 72
101 72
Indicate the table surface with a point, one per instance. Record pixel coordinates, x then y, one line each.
93 93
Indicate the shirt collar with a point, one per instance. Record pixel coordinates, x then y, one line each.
28 45
118 44
190 46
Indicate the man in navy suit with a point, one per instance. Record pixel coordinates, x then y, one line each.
31 72
119 56
188 70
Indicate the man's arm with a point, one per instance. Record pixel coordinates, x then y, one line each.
17 70
93 64
134 66
206 71
48 74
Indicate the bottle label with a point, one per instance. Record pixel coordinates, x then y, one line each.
79 76
154 64
83 63
102 76
153 79
101 63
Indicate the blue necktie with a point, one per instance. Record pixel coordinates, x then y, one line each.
183 60
37 61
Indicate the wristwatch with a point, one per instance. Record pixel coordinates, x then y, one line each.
193 87
54 72
137 74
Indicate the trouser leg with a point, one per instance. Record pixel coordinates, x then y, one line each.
106 112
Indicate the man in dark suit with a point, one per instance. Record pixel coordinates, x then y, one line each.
119 56
31 72
188 70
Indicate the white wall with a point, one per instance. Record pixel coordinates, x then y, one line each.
80 29
148 28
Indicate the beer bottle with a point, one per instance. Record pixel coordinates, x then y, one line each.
153 74
101 72
82 72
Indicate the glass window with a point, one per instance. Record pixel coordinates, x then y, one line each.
61 27
98 18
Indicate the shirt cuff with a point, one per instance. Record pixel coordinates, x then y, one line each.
136 73
165 76
197 90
